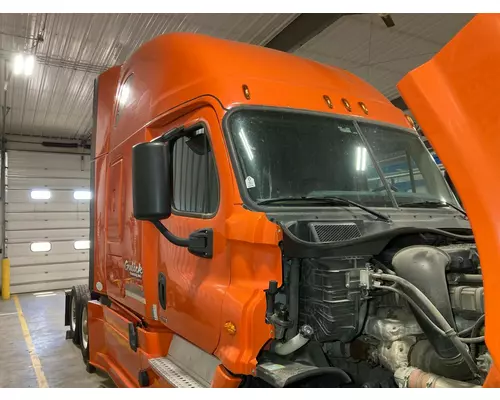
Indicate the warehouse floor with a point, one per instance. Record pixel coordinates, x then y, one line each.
34 351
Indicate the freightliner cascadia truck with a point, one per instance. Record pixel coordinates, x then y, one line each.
263 220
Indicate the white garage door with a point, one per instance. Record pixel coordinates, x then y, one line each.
47 220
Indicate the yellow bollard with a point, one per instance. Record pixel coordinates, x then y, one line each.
5 279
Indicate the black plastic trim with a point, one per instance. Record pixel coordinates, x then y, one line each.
337 374
143 378
365 245
67 307
132 336
92 185
162 290
201 243
105 301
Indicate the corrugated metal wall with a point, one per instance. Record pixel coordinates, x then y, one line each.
60 220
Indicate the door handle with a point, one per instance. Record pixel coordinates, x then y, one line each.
162 290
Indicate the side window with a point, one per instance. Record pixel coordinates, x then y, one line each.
124 97
195 184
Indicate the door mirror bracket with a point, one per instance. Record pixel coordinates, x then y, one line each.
200 243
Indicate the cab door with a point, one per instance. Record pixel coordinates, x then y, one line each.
193 287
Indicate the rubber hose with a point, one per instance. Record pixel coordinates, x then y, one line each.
473 340
471 328
450 332
479 339
383 267
475 332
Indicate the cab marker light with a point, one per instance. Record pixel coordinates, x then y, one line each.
363 107
246 92
410 120
347 105
328 101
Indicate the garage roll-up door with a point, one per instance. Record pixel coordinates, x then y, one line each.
47 220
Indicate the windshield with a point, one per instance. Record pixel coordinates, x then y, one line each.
291 154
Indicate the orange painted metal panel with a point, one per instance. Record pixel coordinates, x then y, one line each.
454 97
222 379
184 79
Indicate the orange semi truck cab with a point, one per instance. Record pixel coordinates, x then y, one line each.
262 220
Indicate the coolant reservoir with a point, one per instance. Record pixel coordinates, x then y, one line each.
455 98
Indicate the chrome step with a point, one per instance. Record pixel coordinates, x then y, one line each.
173 374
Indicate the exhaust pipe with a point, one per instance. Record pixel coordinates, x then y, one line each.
416 378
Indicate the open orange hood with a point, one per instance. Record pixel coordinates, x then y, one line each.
455 98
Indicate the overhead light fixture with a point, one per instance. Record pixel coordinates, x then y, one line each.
29 65
24 64
18 64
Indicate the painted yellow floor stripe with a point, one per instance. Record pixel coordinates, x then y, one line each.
35 361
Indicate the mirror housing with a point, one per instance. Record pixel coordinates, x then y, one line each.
151 181
152 191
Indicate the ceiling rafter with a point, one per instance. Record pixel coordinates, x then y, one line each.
301 30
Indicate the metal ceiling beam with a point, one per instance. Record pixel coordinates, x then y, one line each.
301 30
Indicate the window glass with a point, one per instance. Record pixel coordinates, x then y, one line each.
125 96
82 195
82 245
195 185
407 165
40 194
292 155
296 155
40 246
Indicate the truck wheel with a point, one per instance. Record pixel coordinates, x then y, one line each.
84 336
78 293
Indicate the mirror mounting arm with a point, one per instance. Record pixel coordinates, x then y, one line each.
181 242
200 242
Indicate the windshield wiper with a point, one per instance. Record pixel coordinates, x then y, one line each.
433 204
332 200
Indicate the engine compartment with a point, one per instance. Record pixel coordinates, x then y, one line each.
399 308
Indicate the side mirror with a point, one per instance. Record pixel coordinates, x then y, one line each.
151 181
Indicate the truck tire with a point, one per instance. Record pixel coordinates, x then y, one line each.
84 336
78 294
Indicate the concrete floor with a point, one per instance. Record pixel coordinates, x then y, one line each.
41 357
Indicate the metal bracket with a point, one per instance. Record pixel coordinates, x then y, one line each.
365 279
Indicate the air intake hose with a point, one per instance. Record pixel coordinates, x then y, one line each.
425 267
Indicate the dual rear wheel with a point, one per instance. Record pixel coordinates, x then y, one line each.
80 296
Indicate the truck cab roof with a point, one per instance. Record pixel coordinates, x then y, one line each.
175 68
